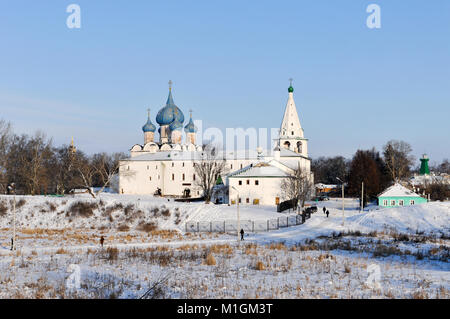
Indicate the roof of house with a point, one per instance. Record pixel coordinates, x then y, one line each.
322 186
197 155
398 190
262 169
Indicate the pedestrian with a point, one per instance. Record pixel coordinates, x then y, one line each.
324 210
328 213
102 240
242 234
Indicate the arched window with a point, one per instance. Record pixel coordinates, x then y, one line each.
287 144
299 147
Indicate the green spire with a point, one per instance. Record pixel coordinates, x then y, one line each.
291 89
424 169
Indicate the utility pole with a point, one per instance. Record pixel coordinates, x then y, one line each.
14 223
362 197
238 229
12 188
343 205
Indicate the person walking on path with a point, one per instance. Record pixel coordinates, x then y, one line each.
328 213
102 240
242 234
324 210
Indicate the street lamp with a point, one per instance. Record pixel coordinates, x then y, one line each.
343 207
238 219
12 188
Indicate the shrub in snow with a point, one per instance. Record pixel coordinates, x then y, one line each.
165 212
147 227
20 203
82 209
260 266
210 260
123 227
3 208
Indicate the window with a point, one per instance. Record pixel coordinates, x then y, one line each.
392 202
240 201
247 200
401 202
183 177
193 177
248 182
183 164
385 202
412 202
277 200
148 167
240 182
156 166
173 164
150 177
256 182
231 166
241 166
299 147
173 177
292 132
128 168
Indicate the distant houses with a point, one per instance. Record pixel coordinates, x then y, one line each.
398 195
325 188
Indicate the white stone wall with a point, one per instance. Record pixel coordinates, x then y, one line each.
135 176
266 192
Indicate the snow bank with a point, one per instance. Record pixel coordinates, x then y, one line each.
427 218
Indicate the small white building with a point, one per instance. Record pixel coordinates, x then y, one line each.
168 164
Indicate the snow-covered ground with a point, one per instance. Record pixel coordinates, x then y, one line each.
145 242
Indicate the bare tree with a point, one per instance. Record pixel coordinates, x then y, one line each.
398 158
84 172
297 186
209 168
106 167
34 161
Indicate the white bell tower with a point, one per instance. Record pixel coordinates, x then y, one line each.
291 131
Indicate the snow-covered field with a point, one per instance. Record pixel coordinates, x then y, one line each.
407 249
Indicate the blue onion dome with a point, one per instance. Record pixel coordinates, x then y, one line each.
176 125
170 112
149 126
190 127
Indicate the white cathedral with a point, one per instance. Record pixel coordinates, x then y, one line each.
166 166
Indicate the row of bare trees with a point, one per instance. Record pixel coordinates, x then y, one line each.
38 167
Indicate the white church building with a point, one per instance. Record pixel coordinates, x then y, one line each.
167 165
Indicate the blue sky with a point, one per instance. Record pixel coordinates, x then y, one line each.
230 62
